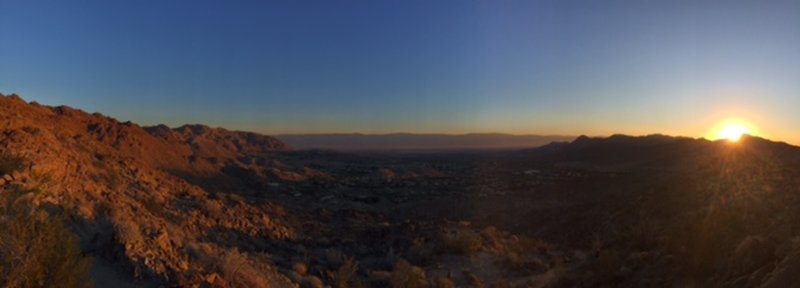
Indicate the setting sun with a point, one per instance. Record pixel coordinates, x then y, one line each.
731 130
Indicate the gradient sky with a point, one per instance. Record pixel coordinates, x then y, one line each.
526 67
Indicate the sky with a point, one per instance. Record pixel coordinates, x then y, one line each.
522 67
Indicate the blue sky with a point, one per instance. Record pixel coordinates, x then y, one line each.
526 67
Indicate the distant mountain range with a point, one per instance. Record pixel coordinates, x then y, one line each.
410 141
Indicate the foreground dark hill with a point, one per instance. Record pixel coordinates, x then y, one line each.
664 211
207 207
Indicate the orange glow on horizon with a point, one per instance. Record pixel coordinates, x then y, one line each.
731 129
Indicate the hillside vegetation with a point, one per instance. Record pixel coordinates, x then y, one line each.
36 249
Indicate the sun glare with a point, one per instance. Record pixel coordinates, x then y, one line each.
731 130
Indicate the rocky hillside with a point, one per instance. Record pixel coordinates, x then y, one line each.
216 144
124 189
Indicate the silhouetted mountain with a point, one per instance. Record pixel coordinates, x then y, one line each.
659 150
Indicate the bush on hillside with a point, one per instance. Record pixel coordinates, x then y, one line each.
345 276
406 275
462 241
10 162
36 249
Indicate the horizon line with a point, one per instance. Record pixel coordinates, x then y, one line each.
358 133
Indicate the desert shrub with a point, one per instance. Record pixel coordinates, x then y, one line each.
311 281
642 235
501 283
462 241
606 266
406 275
100 164
344 276
422 251
239 272
40 180
213 209
524 255
32 130
127 230
36 249
152 205
110 179
334 257
102 208
300 268
10 162
443 282
473 280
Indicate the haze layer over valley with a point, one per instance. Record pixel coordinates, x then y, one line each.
416 142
